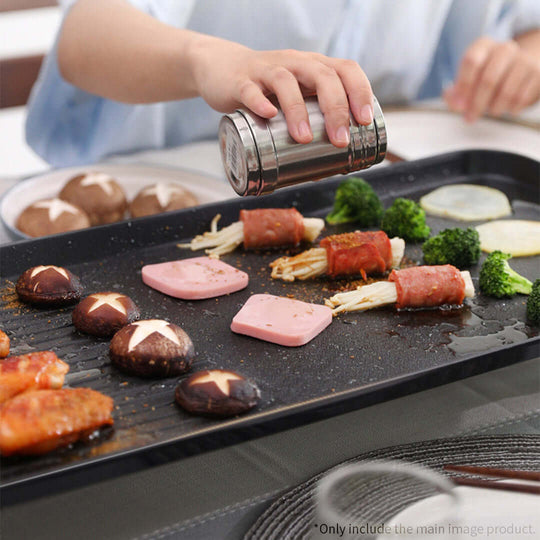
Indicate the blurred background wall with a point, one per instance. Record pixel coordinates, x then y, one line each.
27 31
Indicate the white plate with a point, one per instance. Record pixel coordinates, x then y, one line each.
132 178
482 514
415 134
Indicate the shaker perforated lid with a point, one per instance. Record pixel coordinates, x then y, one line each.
239 153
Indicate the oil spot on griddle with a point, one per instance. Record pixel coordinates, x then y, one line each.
447 316
121 439
511 334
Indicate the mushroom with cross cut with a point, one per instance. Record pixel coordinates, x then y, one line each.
161 197
103 314
98 194
152 348
49 285
217 392
51 216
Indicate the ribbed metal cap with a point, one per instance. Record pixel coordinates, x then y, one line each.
380 126
261 131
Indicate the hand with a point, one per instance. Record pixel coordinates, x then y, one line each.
228 76
494 78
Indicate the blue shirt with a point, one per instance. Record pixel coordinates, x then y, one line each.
409 49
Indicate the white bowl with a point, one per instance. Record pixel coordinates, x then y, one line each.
132 178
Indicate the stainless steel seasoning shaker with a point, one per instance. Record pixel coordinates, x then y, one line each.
260 156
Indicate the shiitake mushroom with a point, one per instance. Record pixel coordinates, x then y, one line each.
103 314
217 392
49 286
152 348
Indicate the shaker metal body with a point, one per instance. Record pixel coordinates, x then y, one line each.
260 156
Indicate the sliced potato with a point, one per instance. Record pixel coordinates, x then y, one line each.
518 237
466 202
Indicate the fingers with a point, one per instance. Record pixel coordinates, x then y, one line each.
461 94
506 96
284 85
332 99
495 78
520 88
358 89
252 96
496 69
529 94
341 86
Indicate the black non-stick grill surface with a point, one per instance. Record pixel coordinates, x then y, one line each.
360 359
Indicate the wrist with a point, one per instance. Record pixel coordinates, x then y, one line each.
197 48
181 65
207 55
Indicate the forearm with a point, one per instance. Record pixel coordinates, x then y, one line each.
109 48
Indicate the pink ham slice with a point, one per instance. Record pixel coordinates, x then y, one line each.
428 286
281 320
272 227
194 279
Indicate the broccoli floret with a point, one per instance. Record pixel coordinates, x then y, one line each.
498 279
405 219
533 303
356 202
459 247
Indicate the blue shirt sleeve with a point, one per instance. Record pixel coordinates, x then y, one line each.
67 126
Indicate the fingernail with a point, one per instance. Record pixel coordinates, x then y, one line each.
342 135
366 114
271 111
304 130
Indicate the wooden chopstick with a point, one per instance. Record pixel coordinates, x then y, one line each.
393 158
531 476
492 484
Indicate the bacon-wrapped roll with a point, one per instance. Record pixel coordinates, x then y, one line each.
30 371
358 253
428 286
348 254
260 228
272 227
415 287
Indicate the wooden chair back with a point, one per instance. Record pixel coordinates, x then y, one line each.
18 74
